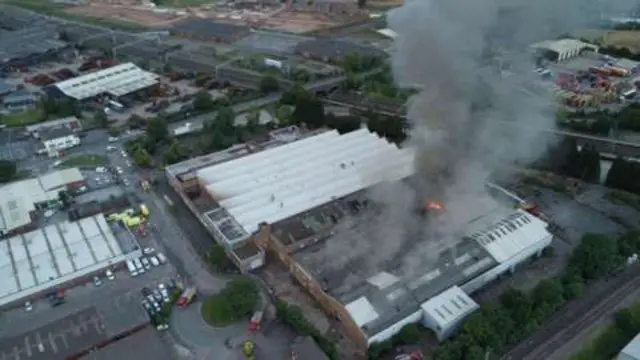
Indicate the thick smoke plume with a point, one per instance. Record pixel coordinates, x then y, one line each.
471 62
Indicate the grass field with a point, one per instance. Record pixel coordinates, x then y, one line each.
617 38
22 118
47 7
85 161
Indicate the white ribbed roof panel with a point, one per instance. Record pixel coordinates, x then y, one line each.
304 182
117 80
277 183
307 178
305 204
521 236
353 178
325 159
231 168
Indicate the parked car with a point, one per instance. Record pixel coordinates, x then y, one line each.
28 306
147 250
109 274
161 258
154 260
96 281
145 263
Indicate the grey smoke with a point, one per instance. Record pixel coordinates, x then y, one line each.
455 51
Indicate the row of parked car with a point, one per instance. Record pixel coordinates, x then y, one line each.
145 263
156 301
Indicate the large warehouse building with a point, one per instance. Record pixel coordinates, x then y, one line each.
20 200
563 49
57 255
116 81
308 204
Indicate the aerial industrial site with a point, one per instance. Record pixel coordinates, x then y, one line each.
319 180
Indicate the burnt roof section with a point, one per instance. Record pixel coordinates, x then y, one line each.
351 245
336 49
211 29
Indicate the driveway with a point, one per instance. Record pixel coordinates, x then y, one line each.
209 343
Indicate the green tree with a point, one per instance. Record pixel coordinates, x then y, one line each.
409 334
224 121
595 256
308 111
8 170
343 124
623 175
203 101
101 119
293 95
237 300
253 121
218 258
64 198
141 158
269 84
283 114
175 153
547 297
157 130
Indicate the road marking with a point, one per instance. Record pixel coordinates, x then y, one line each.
27 346
39 342
52 342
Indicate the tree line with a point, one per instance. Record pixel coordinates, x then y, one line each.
564 158
501 324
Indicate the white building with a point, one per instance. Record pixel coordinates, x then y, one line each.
19 199
631 351
115 81
57 139
57 254
563 49
303 187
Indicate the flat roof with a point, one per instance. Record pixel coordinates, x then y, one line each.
18 199
366 255
44 258
449 307
57 179
117 80
280 182
57 340
71 122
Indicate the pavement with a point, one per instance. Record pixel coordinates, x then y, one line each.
145 344
209 343
57 340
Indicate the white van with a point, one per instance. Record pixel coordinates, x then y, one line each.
139 266
161 258
132 268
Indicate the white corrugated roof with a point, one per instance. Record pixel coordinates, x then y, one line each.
57 179
449 307
54 255
513 235
17 201
278 183
361 311
117 80
632 350
563 45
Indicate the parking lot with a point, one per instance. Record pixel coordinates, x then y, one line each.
56 340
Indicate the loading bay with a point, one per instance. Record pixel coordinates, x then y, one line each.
57 340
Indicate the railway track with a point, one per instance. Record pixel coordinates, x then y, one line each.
576 316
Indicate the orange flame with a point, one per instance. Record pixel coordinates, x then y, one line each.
434 205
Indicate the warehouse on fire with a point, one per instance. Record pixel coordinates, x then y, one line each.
307 202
